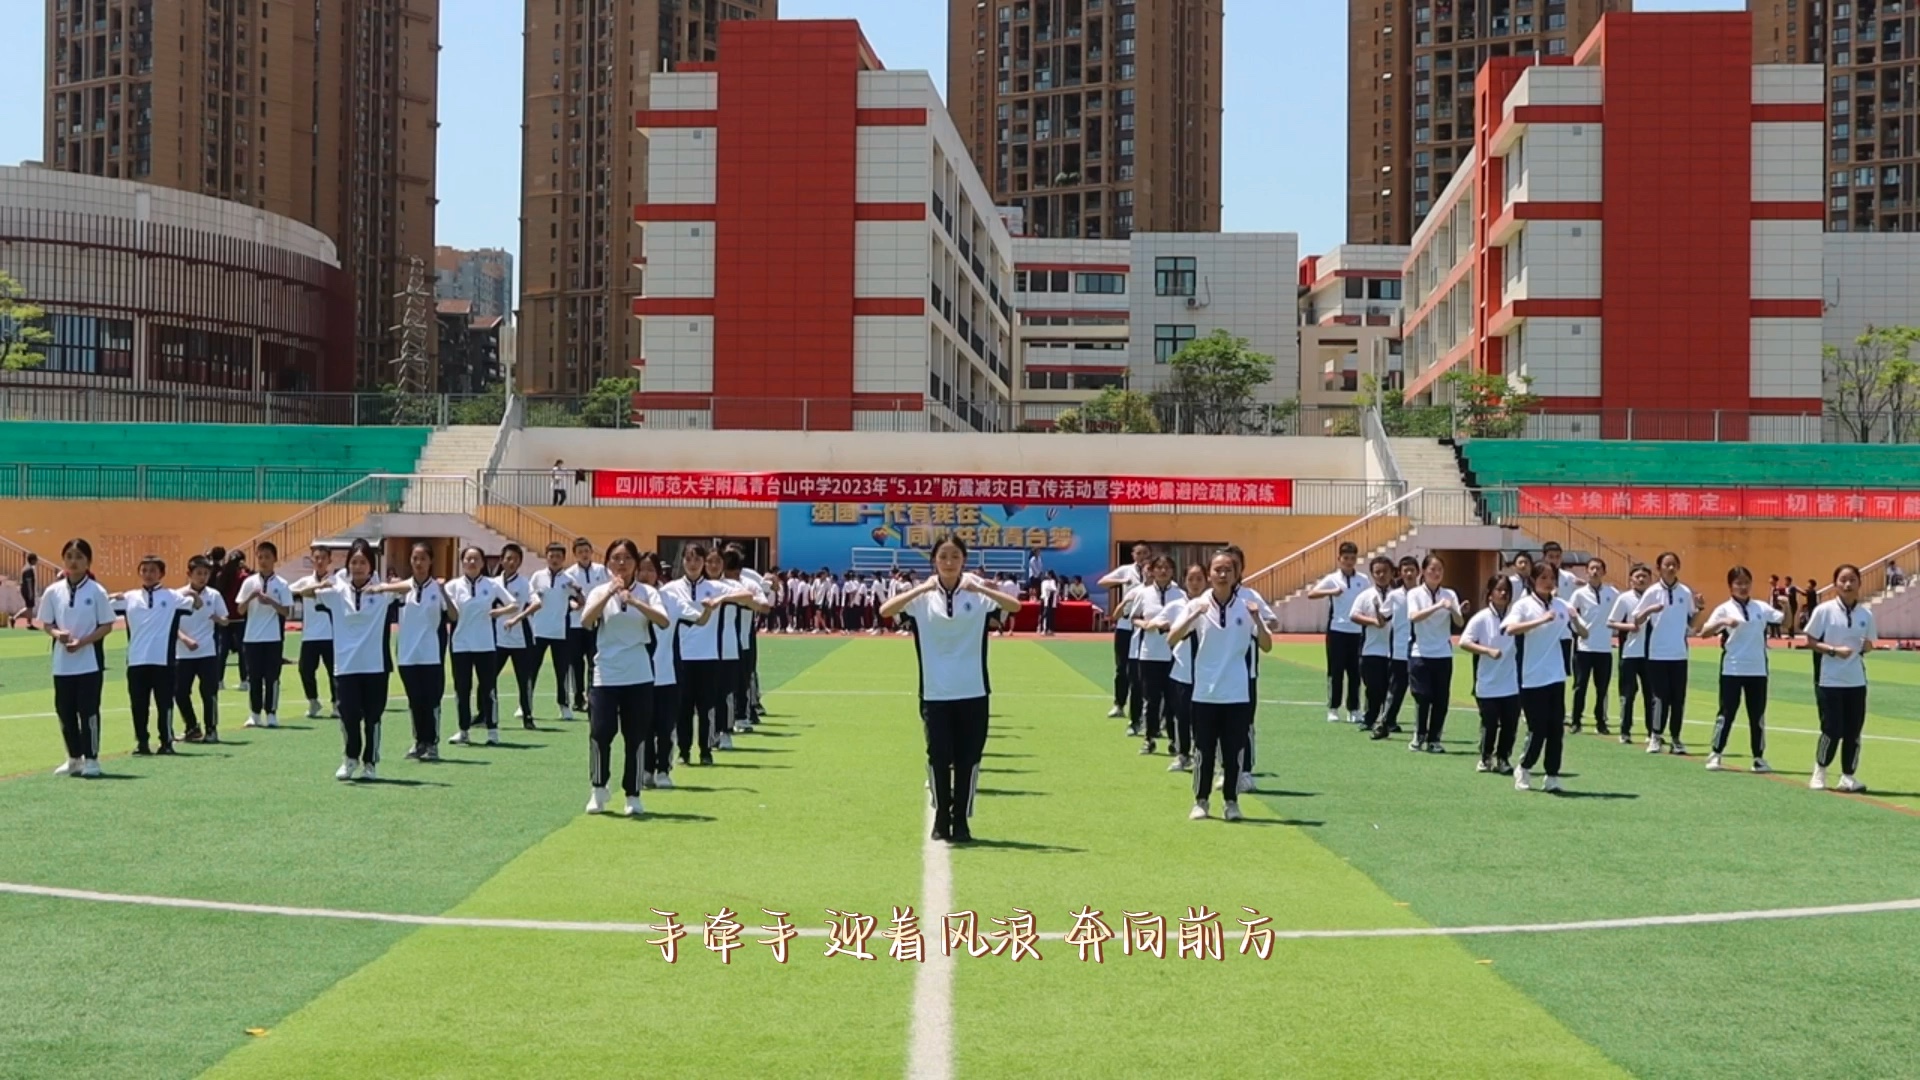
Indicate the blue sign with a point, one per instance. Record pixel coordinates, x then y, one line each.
874 538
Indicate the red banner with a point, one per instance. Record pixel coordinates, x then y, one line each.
1663 502
891 487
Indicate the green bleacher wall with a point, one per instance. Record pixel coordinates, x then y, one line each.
1509 462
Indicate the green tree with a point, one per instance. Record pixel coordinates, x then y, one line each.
610 403
484 409
1115 410
1490 406
1873 385
389 405
22 334
1214 382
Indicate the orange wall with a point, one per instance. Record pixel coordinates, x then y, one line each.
1707 548
1266 538
122 532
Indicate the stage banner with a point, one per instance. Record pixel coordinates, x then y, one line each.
876 537
615 484
1791 504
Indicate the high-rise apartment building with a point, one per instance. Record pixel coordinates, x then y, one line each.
483 278
584 168
1410 71
1873 114
1093 118
317 110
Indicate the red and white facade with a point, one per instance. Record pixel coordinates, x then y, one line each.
820 253
1639 227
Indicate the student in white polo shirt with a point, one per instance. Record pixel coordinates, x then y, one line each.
1434 610
77 614
1593 600
478 604
1744 625
1125 578
586 576
950 612
197 661
316 634
1496 676
1841 633
267 602
1402 646
360 610
1632 637
421 653
1374 612
623 614
1227 628
552 598
1153 659
738 636
1340 589
1667 611
656 750
701 682
513 638
1179 706
1539 622
153 614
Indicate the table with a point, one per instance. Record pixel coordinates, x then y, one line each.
1072 617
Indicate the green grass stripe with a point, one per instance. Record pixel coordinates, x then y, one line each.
821 809
1106 827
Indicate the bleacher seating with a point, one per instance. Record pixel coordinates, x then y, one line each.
197 462
1510 462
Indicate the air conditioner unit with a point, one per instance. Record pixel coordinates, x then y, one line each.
1193 303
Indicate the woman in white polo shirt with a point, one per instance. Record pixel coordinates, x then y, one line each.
359 609
1125 578
265 601
1841 633
198 660
656 764
1180 673
1376 615
623 615
553 597
153 615
422 651
1434 610
1496 677
1153 659
950 612
701 675
513 638
1539 622
1666 612
77 614
476 602
1226 627
1743 624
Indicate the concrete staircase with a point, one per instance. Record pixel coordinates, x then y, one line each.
1427 463
453 451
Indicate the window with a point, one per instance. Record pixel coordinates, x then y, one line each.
1168 339
1112 284
1174 276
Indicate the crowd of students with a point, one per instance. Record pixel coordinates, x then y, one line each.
664 664
825 603
1539 626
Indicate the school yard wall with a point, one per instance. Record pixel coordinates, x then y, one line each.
1805 549
122 532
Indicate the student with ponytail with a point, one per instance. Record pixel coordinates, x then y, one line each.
1226 627
1434 610
1496 677
77 614
477 602
358 609
422 650
622 614
1840 633
1744 624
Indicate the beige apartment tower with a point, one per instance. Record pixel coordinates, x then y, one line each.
584 169
318 110
1092 119
1410 71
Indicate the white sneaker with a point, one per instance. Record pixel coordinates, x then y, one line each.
1520 780
1174 765
1115 713
1417 746
244 687
1198 813
493 736
253 721
367 773
1713 763
1653 744
663 780
726 741
90 768
634 809
1220 781
459 739
566 713
1553 783
313 710
71 768
1354 717
333 711
518 713
1760 766
273 720
345 771
646 780
1247 783
1819 780
597 802
1851 784
1333 716
1232 811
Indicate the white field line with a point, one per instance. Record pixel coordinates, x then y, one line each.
1640 922
930 1036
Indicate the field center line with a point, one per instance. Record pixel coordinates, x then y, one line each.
930 1034
1639 922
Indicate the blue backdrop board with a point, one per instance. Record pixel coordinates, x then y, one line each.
876 537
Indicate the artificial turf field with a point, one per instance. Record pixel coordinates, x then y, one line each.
823 808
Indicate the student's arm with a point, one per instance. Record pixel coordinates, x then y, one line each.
1118 579
597 605
308 587
1323 590
1262 636
901 601
1470 642
1439 604
748 598
1196 611
1723 618
1364 618
1006 603
1512 624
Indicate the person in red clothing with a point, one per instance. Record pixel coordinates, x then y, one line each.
232 573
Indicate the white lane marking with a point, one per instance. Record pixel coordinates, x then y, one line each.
1639 922
930 1038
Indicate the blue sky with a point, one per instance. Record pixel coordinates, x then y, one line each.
1285 140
